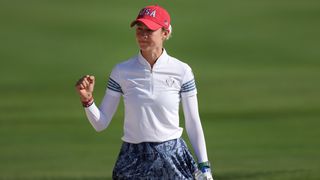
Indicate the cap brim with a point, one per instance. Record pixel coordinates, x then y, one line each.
150 24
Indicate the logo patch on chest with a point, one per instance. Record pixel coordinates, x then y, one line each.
170 81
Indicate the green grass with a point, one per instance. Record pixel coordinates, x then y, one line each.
257 70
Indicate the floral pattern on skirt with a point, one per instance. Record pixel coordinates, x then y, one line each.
149 160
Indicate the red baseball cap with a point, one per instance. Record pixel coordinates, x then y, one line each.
154 17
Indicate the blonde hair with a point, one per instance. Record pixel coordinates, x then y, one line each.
170 32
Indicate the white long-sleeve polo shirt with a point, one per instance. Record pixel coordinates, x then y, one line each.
151 98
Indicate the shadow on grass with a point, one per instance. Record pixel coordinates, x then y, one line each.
261 174
58 178
288 174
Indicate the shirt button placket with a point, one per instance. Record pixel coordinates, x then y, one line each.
151 82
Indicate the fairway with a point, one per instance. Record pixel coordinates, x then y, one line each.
257 70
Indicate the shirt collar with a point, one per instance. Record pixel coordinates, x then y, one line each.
162 59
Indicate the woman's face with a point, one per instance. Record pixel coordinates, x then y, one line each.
148 39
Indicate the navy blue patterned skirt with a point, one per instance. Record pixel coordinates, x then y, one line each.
148 160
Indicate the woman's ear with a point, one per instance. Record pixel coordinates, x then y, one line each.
165 34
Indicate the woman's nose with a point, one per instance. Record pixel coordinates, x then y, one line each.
143 34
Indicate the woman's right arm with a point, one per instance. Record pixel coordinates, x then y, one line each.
98 117
101 117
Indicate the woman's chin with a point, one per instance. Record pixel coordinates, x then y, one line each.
144 47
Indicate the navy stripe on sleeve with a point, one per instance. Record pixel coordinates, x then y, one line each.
114 86
188 86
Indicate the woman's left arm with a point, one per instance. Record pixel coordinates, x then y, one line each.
196 136
194 127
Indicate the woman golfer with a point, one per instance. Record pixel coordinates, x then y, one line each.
152 85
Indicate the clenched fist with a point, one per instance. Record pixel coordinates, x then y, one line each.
85 87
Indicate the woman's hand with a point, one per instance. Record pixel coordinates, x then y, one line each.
85 87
